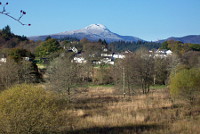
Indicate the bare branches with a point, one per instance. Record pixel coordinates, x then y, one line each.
4 12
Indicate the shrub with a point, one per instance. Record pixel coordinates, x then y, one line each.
186 84
28 109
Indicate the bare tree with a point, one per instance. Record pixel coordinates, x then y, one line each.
9 73
124 74
12 73
18 19
191 59
62 76
144 69
161 72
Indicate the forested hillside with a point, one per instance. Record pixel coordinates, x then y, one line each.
10 40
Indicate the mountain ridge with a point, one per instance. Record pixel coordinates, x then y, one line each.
93 32
194 39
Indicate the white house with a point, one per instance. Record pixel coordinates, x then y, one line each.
3 60
73 49
115 56
118 56
105 49
27 58
106 55
79 60
169 52
161 53
107 61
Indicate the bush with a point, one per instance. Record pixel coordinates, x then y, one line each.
28 109
186 84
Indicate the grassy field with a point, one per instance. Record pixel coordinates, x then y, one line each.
102 110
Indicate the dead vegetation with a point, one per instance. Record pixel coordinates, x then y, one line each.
100 110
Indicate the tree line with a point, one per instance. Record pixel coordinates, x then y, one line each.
120 46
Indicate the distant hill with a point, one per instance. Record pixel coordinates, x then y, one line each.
93 32
194 39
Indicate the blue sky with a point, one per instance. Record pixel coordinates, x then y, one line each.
147 19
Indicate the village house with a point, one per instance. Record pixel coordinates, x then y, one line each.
161 53
73 49
3 59
79 60
118 56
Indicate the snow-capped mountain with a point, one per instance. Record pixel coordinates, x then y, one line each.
93 32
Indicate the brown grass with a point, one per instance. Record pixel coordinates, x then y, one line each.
100 110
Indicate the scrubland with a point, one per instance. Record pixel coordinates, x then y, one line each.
100 110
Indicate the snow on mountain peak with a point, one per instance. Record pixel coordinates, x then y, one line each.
91 29
96 26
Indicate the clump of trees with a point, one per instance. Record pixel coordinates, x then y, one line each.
18 54
142 69
17 69
136 70
29 109
12 73
47 48
179 47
